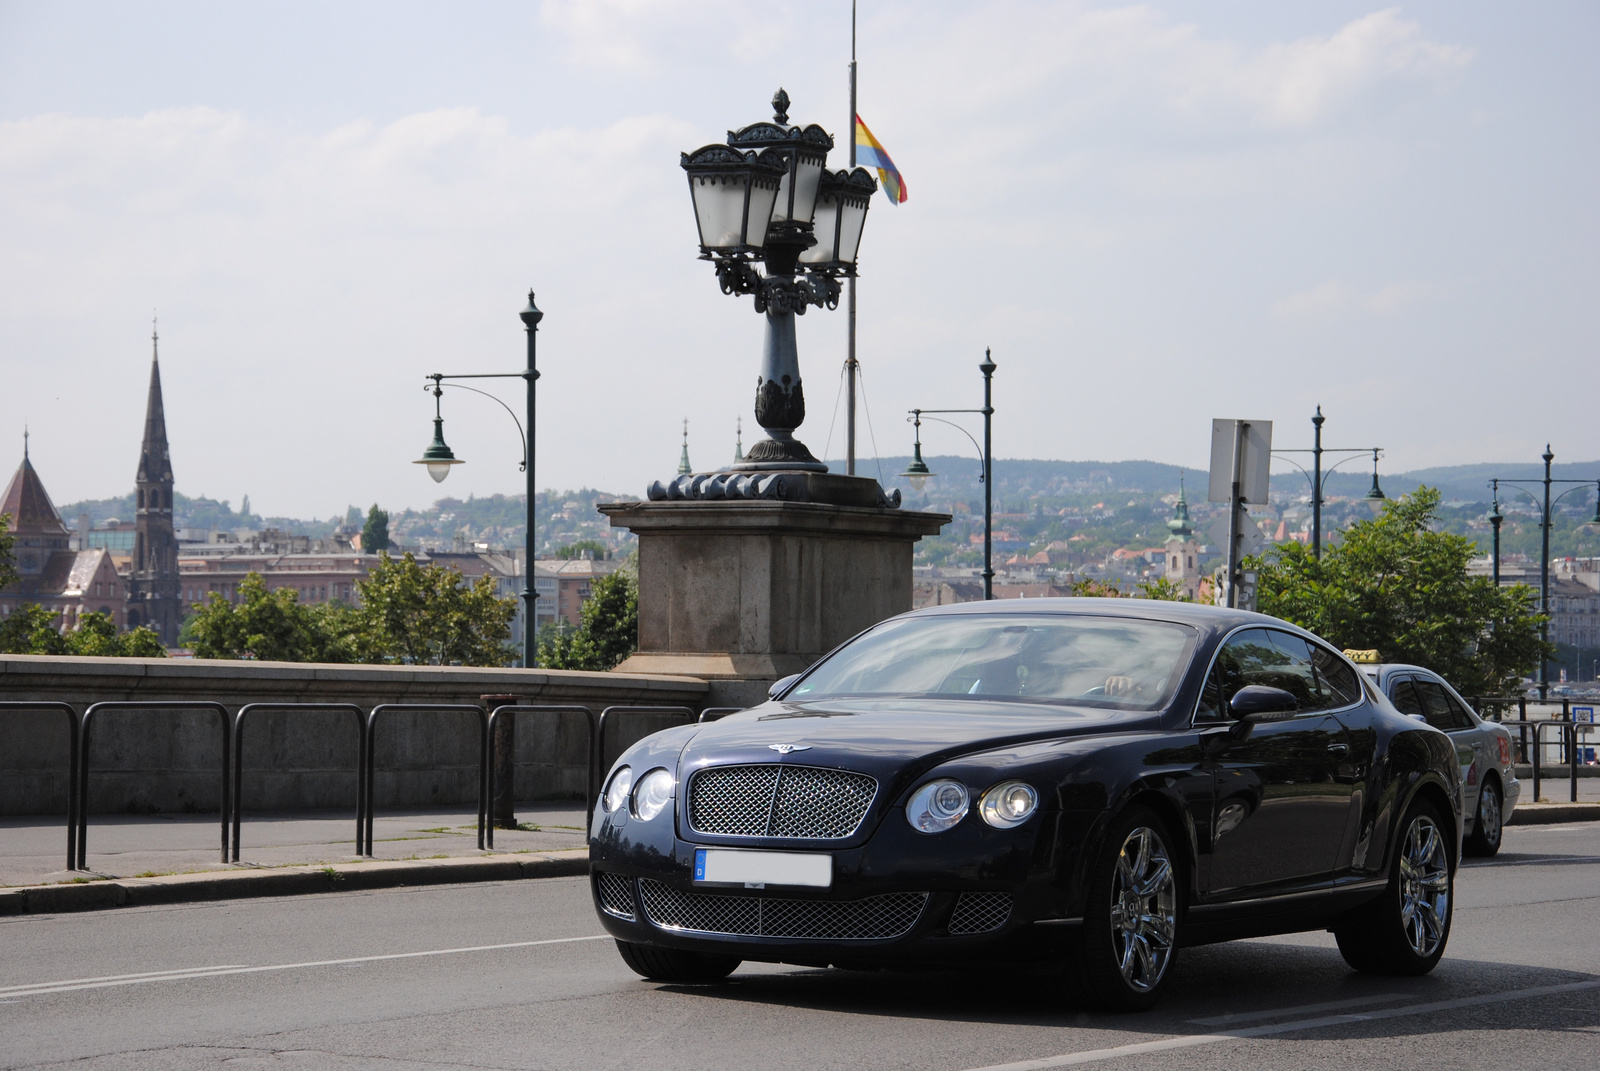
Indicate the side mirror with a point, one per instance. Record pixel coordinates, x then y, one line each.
1258 702
781 686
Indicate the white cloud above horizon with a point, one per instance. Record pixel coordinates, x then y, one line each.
1137 210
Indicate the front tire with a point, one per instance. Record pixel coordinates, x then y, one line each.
1487 827
1404 931
1130 928
676 965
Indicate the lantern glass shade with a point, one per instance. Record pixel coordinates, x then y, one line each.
733 194
802 179
841 213
438 470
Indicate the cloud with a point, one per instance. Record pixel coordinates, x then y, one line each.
643 37
1333 297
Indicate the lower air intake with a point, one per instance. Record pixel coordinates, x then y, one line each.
616 895
980 912
876 918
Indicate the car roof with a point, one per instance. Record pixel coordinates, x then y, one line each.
1211 619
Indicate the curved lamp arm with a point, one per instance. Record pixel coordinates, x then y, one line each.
523 465
963 431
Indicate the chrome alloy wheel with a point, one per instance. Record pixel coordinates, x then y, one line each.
1488 829
1144 909
1424 886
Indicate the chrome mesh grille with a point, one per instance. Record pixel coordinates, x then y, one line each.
875 918
616 895
980 912
801 802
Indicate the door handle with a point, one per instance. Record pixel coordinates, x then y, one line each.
1339 749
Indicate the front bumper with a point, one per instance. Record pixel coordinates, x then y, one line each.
972 893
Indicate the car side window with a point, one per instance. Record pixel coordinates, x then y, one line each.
1296 674
1440 708
1405 698
1253 656
1335 676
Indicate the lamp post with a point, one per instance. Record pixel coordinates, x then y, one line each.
1544 545
918 474
1496 519
1319 477
765 197
439 458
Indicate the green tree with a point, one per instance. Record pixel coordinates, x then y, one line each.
375 534
1396 585
1162 589
32 629
267 625
608 631
593 547
425 615
1090 588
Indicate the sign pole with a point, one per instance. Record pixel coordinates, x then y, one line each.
1239 429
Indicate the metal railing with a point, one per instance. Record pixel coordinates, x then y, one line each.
364 844
238 757
73 730
1496 707
86 736
718 713
589 726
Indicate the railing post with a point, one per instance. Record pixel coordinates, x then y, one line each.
600 746
238 756
494 764
1538 742
440 708
73 728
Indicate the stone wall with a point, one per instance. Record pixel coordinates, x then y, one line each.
170 760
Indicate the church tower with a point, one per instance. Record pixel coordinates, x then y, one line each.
153 586
1183 553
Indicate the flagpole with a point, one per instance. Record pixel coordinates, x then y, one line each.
850 352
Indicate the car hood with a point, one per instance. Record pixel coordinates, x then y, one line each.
890 737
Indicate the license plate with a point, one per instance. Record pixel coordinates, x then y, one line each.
763 868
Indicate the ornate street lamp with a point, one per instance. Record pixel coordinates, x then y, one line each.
1319 477
765 198
1375 497
917 473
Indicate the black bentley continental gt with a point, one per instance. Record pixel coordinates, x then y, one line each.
1092 783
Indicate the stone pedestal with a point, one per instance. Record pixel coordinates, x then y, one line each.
741 592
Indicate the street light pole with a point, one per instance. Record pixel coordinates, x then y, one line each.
1316 484
1496 518
438 458
918 474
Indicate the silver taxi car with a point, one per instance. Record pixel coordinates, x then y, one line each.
1488 772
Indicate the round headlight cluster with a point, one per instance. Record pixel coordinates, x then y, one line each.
616 793
1009 804
940 805
937 806
653 793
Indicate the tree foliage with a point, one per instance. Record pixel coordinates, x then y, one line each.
409 613
375 533
8 562
1396 585
32 629
608 631
1162 590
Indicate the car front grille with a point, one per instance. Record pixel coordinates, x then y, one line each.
770 800
876 918
980 912
616 895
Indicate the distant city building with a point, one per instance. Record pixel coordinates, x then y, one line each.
1182 551
51 572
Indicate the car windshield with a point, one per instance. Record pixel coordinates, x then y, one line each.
1080 659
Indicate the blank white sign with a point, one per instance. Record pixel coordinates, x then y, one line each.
763 868
1254 478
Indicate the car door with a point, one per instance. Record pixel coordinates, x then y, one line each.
1444 712
1281 809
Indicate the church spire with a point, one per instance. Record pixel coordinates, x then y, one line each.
153 586
684 468
1179 525
155 465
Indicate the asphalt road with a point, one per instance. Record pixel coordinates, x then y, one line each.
513 975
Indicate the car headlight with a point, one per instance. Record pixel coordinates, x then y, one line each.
616 793
937 806
1008 804
653 793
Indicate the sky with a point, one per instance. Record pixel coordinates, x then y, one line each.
1152 214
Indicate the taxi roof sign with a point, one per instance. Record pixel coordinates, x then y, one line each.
1363 657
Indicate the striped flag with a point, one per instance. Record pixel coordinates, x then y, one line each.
869 153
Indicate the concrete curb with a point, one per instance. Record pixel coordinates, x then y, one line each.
1543 814
286 881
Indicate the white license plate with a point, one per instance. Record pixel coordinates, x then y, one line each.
763 868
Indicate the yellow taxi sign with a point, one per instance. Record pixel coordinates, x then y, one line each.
1363 657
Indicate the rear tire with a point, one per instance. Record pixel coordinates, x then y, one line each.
1486 824
1404 931
676 965
1129 940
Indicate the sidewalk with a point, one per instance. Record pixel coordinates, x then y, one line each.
33 849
